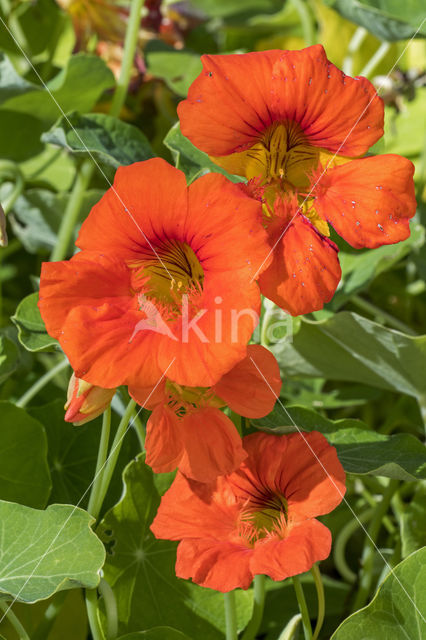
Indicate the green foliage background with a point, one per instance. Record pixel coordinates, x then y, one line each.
354 371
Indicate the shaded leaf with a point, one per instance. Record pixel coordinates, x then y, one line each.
42 552
141 568
397 610
350 347
177 68
9 357
76 87
386 19
32 333
361 451
158 633
24 474
108 139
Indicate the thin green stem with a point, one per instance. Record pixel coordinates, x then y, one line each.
382 315
367 561
94 506
130 43
139 429
258 606
72 210
341 541
113 456
321 600
92 614
306 20
355 43
303 608
375 59
16 624
41 382
110 609
230 616
12 171
387 522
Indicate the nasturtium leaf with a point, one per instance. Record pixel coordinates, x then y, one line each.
190 159
386 19
361 451
413 522
76 87
140 568
358 269
158 633
72 454
176 67
397 610
227 8
108 139
401 133
32 333
42 552
9 357
37 215
350 347
53 168
24 473
20 137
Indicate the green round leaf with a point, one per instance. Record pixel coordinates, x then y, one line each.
397 610
32 333
24 475
42 552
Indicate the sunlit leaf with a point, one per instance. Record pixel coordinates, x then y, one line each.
397 611
42 552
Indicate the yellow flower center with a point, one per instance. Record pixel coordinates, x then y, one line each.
167 273
183 399
264 514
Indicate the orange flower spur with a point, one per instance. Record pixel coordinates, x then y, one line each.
188 430
163 283
261 519
297 124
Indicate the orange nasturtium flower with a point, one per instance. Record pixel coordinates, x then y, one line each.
299 126
163 284
260 519
85 402
187 429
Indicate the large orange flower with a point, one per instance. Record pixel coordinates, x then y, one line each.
297 124
259 519
163 284
187 429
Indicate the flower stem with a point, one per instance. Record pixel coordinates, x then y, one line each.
230 615
16 624
375 59
341 541
381 315
130 43
12 171
41 382
72 210
110 609
321 600
92 614
258 606
355 43
94 506
367 560
305 16
49 617
111 461
303 608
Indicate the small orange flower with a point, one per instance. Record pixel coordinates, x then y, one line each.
261 519
187 429
164 281
85 402
298 125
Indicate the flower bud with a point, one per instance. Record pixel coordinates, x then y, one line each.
85 401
